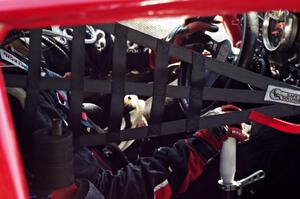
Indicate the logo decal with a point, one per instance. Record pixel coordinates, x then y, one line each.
283 95
12 59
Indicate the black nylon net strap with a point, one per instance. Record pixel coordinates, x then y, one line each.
33 82
178 126
159 88
33 78
77 69
144 89
118 83
243 75
133 35
196 93
225 69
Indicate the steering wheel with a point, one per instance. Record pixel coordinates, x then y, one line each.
222 51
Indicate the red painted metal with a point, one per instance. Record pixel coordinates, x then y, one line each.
37 13
12 179
281 125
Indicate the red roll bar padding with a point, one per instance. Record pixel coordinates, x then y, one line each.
275 123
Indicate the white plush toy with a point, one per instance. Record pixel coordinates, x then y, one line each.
136 116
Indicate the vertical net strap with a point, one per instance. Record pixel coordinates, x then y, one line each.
159 88
33 78
196 93
118 83
77 69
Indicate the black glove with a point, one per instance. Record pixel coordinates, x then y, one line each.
189 32
187 158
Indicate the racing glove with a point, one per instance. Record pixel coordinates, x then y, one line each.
191 35
181 34
170 170
186 160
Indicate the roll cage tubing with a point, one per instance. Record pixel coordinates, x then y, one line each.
16 14
36 13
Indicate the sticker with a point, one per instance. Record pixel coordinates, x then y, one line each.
283 95
12 59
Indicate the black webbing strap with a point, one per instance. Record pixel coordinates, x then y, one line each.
33 78
178 126
184 54
118 88
118 83
134 36
243 75
144 89
159 87
196 93
77 69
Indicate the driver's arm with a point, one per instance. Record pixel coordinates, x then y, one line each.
169 171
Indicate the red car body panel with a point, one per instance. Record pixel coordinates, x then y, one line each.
38 13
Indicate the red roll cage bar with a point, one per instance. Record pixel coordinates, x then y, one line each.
37 13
